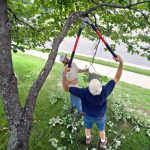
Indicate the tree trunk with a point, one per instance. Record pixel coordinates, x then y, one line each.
19 134
19 122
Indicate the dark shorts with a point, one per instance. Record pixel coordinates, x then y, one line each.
100 122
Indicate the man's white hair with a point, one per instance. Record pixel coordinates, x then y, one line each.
95 87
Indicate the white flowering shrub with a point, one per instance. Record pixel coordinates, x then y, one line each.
117 143
148 132
71 123
140 121
54 97
137 129
62 134
62 148
110 124
121 107
54 142
53 121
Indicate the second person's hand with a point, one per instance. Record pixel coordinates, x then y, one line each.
118 59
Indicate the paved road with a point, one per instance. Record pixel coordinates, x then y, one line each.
128 77
85 47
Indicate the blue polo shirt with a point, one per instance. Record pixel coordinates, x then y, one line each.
94 106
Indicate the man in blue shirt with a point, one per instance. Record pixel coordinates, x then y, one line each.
94 102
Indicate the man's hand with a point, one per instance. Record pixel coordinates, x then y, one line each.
118 59
86 69
75 81
119 71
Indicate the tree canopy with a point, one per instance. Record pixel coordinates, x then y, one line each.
36 21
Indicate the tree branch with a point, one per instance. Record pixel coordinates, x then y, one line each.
114 6
21 21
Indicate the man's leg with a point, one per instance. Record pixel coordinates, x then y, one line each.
88 125
102 136
87 132
101 126
77 103
72 103
88 136
103 140
71 100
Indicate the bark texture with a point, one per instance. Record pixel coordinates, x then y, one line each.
18 122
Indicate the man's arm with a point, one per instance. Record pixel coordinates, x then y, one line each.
83 70
65 84
65 81
79 92
119 71
73 90
108 88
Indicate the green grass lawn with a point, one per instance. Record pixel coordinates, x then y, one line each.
27 69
